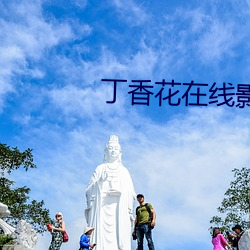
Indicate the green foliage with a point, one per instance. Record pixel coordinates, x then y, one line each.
17 199
12 158
235 206
6 240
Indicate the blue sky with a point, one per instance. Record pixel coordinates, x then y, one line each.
53 57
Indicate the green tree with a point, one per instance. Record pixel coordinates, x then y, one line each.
17 199
235 206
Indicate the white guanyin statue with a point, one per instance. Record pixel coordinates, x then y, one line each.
110 198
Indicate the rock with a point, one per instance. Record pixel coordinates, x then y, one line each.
244 242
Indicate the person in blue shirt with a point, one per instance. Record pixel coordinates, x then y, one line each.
84 240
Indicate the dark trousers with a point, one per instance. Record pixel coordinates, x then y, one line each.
142 230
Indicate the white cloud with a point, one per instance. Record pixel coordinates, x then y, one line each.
107 66
26 39
87 102
131 12
32 33
201 34
143 62
80 3
217 42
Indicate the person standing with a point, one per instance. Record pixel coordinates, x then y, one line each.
143 225
85 239
218 240
239 231
56 231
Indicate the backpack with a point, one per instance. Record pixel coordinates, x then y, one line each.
149 212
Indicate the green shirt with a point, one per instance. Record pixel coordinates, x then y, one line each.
142 214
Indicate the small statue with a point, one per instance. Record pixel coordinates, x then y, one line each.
4 211
23 234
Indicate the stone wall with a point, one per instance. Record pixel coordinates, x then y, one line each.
13 247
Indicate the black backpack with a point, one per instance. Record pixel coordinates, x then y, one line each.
149 212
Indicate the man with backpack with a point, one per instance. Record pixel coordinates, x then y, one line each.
144 223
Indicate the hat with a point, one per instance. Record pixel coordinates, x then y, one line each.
237 227
59 213
87 229
140 195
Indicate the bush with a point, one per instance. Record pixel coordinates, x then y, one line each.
6 240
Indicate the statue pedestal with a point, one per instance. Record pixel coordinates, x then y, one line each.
13 247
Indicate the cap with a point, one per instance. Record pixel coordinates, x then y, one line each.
140 195
237 227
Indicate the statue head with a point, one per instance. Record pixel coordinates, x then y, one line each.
113 150
4 211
